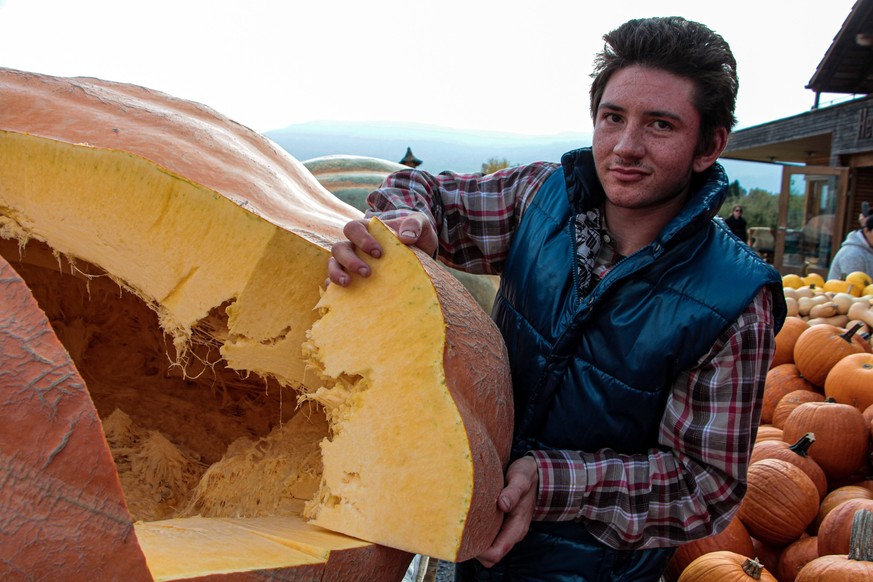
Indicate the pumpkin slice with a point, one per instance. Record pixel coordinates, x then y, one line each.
180 258
264 545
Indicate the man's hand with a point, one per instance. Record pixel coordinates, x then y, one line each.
413 230
518 500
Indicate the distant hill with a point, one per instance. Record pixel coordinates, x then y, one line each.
439 148
442 148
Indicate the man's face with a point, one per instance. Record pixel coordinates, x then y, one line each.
645 138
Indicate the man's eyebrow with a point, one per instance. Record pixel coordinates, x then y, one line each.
608 105
653 113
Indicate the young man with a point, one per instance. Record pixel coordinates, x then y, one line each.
856 252
639 330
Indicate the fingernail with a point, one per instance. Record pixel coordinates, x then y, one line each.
376 253
408 234
363 271
343 280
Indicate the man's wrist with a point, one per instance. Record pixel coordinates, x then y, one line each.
562 485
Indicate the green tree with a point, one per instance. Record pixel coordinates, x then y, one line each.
735 192
493 165
761 208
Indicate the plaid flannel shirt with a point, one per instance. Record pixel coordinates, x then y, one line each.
690 484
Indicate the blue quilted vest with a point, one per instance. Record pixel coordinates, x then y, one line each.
595 371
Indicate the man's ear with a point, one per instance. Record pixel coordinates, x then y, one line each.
704 160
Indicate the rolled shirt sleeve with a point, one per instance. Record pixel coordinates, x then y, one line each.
474 215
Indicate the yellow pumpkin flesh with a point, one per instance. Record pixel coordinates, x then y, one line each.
180 259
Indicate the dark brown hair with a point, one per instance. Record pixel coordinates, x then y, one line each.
684 48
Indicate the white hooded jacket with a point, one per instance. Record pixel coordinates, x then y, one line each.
855 254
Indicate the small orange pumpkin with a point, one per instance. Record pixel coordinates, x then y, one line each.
795 556
735 538
780 502
796 454
841 436
850 381
835 530
856 566
790 401
820 347
725 566
768 432
836 498
781 380
785 340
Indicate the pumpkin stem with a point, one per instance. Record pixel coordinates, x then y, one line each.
851 331
861 542
801 447
753 568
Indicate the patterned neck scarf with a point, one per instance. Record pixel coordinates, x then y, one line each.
593 258
588 242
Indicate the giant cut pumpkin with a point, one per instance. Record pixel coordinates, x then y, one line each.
188 399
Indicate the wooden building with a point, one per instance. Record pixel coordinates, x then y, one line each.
826 153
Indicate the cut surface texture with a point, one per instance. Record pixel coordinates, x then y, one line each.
407 377
220 396
263 546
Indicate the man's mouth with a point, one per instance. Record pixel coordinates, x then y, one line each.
628 173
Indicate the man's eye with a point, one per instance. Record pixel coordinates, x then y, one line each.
661 124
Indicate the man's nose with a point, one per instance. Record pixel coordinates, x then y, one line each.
630 144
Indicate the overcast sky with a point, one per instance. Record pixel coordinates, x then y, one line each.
501 65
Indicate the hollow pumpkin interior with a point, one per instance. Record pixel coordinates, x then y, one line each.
219 466
167 416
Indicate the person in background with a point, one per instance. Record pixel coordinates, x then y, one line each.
737 223
856 252
639 330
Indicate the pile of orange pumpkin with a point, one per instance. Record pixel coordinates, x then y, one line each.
808 510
